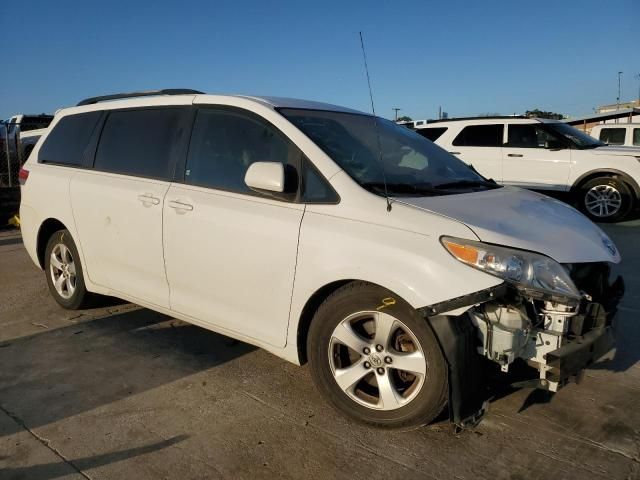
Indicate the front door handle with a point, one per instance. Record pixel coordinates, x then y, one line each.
454 153
148 199
514 155
187 207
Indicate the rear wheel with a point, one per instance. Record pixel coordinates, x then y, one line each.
64 272
606 199
375 359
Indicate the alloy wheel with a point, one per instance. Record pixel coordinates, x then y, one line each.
376 360
603 201
62 268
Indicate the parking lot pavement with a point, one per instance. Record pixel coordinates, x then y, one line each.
123 392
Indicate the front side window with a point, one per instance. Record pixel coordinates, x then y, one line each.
225 142
375 153
636 136
66 143
613 136
577 138
530 136
480 136
142 143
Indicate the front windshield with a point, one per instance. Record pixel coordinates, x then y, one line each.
575 136
412 164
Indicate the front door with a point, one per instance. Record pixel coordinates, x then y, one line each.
535 158
230 253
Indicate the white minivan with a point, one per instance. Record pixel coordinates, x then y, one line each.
323 235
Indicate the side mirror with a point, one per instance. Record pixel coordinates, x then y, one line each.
554 145
265 177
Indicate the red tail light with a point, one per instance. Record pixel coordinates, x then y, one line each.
23 175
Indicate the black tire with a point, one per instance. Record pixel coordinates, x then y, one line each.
614 186
355 297
80 298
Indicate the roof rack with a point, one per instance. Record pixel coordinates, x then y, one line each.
486 117
147 93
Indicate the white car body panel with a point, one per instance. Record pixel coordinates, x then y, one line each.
525 220
120 231
242 276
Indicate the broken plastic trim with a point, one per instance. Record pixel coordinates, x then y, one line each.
465 300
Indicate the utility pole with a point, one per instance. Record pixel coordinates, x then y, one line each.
395 109
619 90
637 77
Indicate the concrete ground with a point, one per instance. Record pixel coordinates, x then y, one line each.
123 392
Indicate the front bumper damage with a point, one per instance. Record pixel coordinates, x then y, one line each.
502 324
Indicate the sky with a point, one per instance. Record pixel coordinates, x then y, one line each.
470 58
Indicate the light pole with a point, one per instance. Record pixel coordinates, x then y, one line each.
395 109
618 99
637 76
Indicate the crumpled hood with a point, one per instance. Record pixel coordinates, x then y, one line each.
634 151
522 219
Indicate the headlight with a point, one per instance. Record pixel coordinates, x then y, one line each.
532 273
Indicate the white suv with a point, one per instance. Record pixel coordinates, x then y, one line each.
321 234
545 155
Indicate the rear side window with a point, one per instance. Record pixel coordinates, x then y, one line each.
431 133
142 143
613 136
480 136
636 136
68 140
225 142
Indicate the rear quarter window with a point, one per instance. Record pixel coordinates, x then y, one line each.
431 133
66 143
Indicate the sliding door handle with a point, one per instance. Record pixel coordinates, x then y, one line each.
514 155
147 199
186 207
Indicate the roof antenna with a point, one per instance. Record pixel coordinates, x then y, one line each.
375 122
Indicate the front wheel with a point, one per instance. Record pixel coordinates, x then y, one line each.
606 199
375 359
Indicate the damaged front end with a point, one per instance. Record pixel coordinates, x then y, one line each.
558 335
558 338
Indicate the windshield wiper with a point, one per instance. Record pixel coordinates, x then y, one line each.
403 188
466 183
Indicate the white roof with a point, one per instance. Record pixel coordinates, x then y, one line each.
486 121
183 99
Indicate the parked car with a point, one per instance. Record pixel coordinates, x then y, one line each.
545 155
323 235
619 134
18 136
23 132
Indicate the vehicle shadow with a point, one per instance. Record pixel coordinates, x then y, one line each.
48 471
60 373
